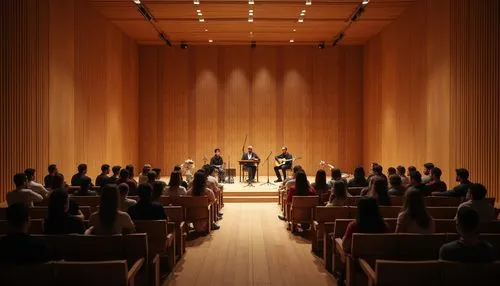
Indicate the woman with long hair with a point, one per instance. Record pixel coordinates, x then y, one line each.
338 196
109 219
368 220
379 192
174 188
320 186
414 217
359 179
58 220
198 189
301 188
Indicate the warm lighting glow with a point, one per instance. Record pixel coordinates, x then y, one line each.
202 20
250 20
250 11
198 11
200 14
291 41
304 11
206 30
196 2
301 20
308 2
210 41
250 14
295 30
366 2
137 1
302 14
250 2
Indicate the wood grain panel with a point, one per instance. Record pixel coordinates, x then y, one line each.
294 96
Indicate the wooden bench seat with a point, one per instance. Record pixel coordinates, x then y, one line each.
41 212
302 210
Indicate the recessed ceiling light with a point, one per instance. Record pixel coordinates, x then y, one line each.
302 14
308 2
291 41
196 2
198 11
250 11
206 30
250 20
303 11
200 14
202 20
137 1
250 14
301 20
366 2
250 2
210 41
295 30
251 33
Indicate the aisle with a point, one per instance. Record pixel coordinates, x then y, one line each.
251 248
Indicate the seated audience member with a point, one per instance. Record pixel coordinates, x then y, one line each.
401 172
427 173
125 178
391 171
74 208
476 200
359 179
397 188
85 190
130 169
212 181
157 172
339 195
411 169
184 183
103 178
174 188
379 191
18 247
146 209
290 181
377 170
301 188
435 184
158 188
143 176
58 220
150 178
469 248
48 181
199 189
461 189
368 220
125 202
336 176
109 220
81 178
34 186
116 174
320 186
416 182
21 194
414 217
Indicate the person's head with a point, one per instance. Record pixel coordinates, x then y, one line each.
157 190
82 169
158 172
124 174
301 183
105 169
377 169
467 221
391 171
462 174
146 169
336 174
177 168
379 188
175 179
436 174
20 180
18 217
250 149
58 203
123 188
427 168
477 192
395 181
295 170
130 170
199 182
116 170
151 176
368 216
30 174
145 192
411 169
320 180
108 206
52 169
359 173
211 170
217 151
415 178
339 190
284 150
414 205
401 170
58 181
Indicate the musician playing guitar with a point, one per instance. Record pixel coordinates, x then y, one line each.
217 162
283 163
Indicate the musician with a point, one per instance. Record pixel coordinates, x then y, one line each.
283 165
217 162
250 167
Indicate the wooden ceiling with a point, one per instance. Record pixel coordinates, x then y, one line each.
275 21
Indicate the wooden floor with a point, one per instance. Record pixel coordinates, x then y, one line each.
252 247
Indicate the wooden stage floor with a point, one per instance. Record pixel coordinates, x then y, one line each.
252 247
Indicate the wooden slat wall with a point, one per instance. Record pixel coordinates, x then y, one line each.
431 90
194 100
69 79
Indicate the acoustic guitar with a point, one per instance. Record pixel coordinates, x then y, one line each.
324 164
283 161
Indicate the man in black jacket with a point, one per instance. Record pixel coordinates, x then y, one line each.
285 164
461 189
250 166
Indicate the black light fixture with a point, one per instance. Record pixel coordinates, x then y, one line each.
145 13
359 11
184 45
321 45
253 44
164 38
339 38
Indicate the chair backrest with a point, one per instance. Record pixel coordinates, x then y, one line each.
157 234
195 208
35 227
304 208
442 201
494 240
41 212
135 247
411 273
466 274
390 211
88 201
374 246
354 191
174 213
28 275
442 212
330 214
341 226
110 273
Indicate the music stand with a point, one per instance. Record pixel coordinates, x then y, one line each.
268 183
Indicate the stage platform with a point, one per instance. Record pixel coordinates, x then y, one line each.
259 193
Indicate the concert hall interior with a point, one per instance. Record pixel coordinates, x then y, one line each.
343 82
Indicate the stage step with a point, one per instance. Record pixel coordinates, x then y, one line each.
251 193
250 199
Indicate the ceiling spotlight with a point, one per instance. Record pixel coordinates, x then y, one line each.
292 41
250 11
302 14
301 20
250 20
206 30
365 2
210 41
137 2
198 11
250 2
184 45
321 45
200 14
202 20
251 33
250 14
303 11
196 2
308 2
295 30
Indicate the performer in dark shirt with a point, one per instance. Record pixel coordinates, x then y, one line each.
284 162
250 167
218 163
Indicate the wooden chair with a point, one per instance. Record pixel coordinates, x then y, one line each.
442 201
175 215
110 273
466 274
323 215
35 227
28 275
90 201
197 209
442 212
302 210
355 191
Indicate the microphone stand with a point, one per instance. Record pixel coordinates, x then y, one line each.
229 180
268 183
